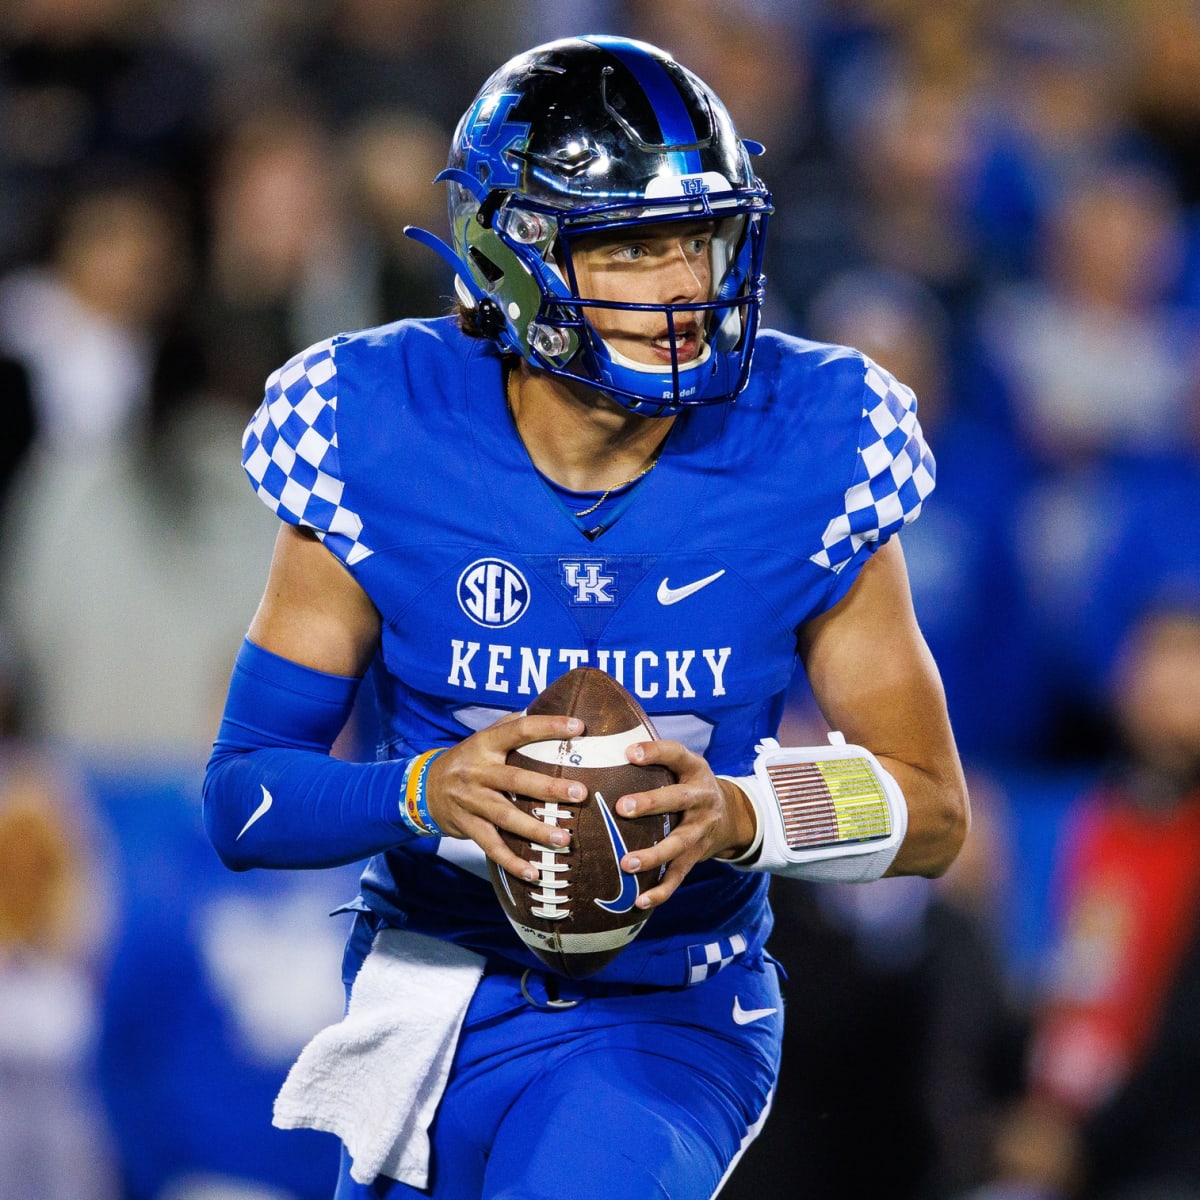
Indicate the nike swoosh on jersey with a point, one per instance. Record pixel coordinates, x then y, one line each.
260 811
625 898
669 595
747 1016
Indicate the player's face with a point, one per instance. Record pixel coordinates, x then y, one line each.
668 263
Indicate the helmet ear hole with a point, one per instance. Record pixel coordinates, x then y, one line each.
490 270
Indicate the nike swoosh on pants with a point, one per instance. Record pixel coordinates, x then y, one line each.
747 1016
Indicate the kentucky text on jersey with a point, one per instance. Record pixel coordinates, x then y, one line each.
526 670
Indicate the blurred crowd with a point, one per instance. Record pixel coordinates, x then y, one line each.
998 202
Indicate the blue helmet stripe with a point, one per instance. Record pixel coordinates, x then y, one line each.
673 118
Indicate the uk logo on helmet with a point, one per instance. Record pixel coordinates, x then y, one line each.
488 136
493 593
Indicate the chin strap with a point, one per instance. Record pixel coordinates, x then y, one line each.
830 813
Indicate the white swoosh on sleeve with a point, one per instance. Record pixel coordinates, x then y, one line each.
260 811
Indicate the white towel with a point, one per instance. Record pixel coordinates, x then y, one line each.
375 1079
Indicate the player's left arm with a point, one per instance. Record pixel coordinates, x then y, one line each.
875 681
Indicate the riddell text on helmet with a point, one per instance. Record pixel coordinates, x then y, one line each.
525 670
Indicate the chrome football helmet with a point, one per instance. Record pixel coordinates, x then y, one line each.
603 134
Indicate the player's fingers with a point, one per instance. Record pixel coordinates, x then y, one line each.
461 782
488 838
512 734
540 787
483 822
665 888
664 752
686 843
674 798
550 826
549 829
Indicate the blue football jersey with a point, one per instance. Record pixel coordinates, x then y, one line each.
396 446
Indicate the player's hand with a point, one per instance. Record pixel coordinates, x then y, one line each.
469 789
715 818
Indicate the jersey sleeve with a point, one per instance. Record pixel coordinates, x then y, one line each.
290 452
894 472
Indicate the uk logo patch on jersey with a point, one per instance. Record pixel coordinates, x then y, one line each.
588 581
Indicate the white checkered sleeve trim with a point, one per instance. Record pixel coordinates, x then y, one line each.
290 452
895 472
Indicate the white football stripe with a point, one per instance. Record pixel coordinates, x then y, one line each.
607 750
578 943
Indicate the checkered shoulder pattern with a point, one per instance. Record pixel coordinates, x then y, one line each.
290 452
894 475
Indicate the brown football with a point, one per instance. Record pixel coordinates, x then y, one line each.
580 912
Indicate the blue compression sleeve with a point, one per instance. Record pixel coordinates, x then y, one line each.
273 797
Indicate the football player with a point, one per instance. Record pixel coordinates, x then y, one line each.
598 460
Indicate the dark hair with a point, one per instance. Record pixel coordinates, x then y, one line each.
482 320
468 320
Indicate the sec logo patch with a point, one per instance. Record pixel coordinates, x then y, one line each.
493 593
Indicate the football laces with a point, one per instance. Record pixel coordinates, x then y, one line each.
553 904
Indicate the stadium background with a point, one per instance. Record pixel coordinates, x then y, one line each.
1000 202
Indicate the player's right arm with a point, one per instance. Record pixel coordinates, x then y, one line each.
312 611
273 795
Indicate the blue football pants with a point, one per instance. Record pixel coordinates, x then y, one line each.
618 1098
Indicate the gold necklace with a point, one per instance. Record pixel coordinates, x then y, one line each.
616 487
